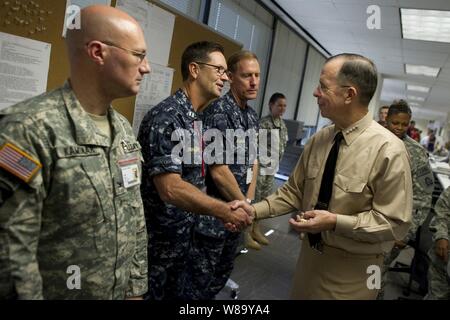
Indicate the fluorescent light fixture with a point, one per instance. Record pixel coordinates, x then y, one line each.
416 98
427 25
422 70
417 88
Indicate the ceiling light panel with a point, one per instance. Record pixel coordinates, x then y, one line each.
416 98
421 70
427 25
410 87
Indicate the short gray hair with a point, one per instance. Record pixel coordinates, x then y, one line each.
359 71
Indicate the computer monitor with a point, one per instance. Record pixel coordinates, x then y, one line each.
295 130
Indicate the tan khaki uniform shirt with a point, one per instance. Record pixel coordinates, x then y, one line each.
372 192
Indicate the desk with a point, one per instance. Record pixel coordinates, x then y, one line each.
442 172
444 180
440 167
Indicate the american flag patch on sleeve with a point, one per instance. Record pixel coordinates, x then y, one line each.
18 162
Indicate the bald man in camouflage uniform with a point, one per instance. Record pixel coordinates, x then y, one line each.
399 116
438 278
71 218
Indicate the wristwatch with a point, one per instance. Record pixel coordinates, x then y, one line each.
249 201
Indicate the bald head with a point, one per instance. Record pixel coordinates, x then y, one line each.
100 22
107 56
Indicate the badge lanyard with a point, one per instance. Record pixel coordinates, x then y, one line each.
202 143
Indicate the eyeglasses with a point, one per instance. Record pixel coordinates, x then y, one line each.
138 54
323 88
219 69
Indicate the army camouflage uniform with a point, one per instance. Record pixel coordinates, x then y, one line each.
76 210
423 186
214 248
265 182
438 278
169 228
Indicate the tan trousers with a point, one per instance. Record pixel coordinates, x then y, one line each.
335 274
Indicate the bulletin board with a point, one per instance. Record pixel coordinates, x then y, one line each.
43 20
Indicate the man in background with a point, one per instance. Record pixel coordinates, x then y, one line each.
382 114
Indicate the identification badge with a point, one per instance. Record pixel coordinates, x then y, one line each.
129 167
130 175
249 175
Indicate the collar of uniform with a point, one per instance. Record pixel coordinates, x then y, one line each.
230 99
185 104
117 128
353 131
85 128
276 121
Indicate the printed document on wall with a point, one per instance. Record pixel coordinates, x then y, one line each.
159 35
155 88
24 67
158 27
138 9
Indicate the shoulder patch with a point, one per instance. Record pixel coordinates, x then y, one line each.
18 162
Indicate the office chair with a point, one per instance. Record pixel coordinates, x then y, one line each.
418 269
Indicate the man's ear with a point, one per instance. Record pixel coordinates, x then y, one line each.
194 70
230 77
96 52
350 94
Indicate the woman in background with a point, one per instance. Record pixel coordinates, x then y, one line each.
399 116
267 171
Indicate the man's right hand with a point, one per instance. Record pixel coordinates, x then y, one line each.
237 219
245 206
441 249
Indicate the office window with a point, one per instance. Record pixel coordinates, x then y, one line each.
188 7
307 109
248 23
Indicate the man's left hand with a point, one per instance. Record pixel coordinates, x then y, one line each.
316 221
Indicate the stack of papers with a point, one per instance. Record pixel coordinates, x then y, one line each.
442 167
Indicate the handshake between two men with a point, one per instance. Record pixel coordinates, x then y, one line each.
314 221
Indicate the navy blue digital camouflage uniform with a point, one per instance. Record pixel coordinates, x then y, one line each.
169 228
213 247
